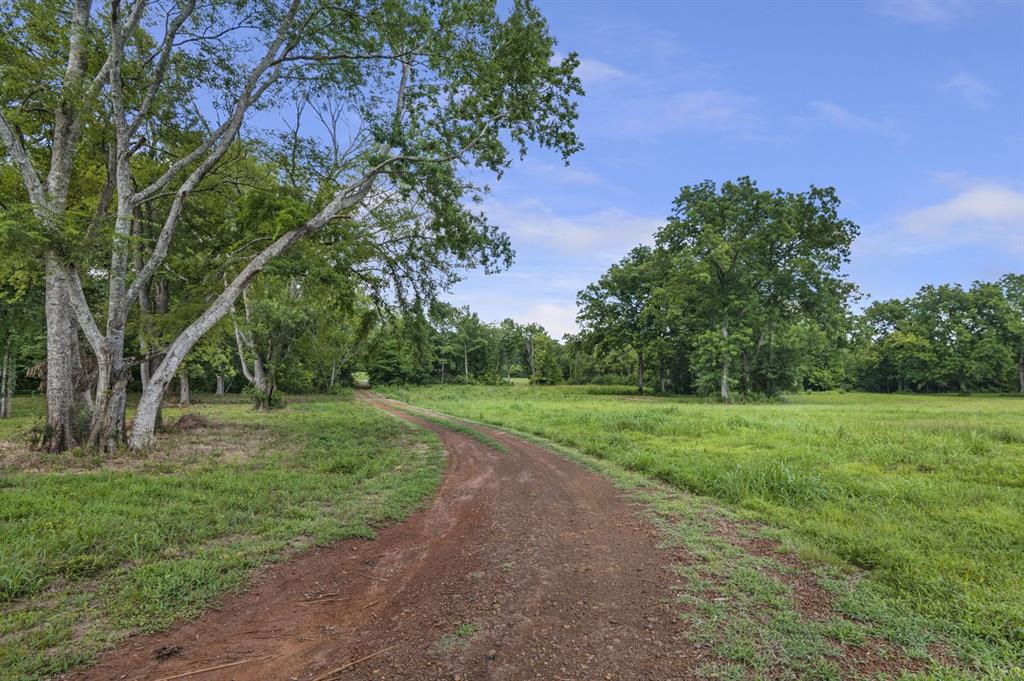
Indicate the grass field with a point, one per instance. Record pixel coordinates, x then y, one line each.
94 548
926 493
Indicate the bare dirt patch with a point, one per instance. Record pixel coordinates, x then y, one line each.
191 439
191 421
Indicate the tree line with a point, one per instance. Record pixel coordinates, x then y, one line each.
743 292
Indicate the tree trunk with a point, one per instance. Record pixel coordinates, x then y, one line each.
184 393
145 308
465 361
640 372
748 383
529 356
334 373
256 376
1020 371
220 384
263 385
59 434
724 386
161 306
106 432
5 382
108 423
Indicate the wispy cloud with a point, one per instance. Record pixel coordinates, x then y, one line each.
691 111
595 71
834 115
980 214
565 174
606 233
923 12
709 110
975 92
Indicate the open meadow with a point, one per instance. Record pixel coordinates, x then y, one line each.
925 493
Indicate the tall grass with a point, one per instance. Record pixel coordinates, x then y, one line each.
925 492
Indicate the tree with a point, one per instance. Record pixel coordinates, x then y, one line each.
469 336
944 338
617 312
45 167
20 315
432 88
1008 320
745 264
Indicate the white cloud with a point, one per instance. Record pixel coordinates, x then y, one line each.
925 12
981 214
836 116
975 92
557 319
604 233
596 71
593 70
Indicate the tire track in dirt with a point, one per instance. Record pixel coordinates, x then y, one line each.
524 566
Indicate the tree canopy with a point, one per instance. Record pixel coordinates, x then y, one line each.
135 112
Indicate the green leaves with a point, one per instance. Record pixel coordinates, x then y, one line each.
736 270
945 338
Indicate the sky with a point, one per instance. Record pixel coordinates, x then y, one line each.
912 110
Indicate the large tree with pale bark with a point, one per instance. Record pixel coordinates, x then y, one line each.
111 111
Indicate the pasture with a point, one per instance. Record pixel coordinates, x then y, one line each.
924 493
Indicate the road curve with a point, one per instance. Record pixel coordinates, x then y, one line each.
525 566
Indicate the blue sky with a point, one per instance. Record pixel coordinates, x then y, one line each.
913 110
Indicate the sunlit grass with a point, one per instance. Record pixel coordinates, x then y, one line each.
925 492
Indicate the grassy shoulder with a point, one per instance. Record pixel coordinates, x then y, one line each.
92 550
926 494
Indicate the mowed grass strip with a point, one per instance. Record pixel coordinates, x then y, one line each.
91 551
457 426
926 493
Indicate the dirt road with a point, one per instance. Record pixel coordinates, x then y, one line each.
524 566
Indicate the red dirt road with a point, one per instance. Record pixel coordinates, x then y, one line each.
549 571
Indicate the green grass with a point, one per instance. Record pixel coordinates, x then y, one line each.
456 639
458 427
925 493
92 549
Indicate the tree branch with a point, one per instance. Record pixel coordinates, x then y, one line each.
12 140
80 306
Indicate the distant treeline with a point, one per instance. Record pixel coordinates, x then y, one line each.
743 292
944 339
740 295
